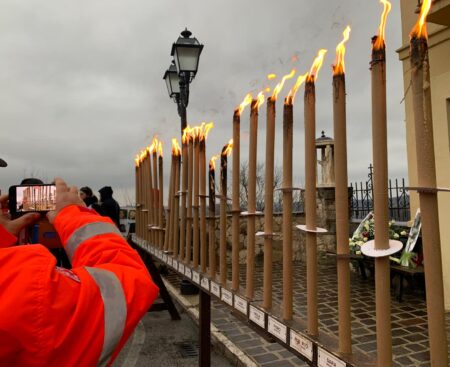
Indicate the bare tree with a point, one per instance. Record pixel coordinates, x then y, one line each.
260 185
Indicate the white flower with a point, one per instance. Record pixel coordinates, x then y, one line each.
403 233
396 236
365 239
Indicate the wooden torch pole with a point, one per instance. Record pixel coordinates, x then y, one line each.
288 126
341 194
426 171
268 203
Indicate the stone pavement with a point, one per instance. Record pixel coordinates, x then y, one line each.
160 342
409 321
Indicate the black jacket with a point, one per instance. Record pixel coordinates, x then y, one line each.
109 207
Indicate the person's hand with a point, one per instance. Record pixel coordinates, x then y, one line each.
16 225
65 196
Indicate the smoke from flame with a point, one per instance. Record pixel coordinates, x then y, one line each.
379 42
339 65
317 64
212 162
420 28
226 151
280 85
176 150
247 100
291 96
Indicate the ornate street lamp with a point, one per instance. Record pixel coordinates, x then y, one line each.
186 55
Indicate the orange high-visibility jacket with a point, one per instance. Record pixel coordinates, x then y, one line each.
81 317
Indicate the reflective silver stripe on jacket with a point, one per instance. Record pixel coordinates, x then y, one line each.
87 231
115 310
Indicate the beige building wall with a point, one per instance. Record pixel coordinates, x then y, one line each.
439 53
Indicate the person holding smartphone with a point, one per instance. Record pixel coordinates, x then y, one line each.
50 316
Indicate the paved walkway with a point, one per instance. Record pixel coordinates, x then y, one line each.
160 342
409 322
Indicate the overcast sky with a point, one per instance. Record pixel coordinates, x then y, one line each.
81 87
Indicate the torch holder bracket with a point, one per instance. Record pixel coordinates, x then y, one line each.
167 252
139 205
252 214
369 249
203 196
318 230
144 210
427 190
182 192
235 211
265 235
289 189
220 196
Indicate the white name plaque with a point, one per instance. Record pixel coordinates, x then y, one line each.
188 272
326 359
277 329
227 296
257 316
169 261
302 345
164 258
215 289
205 283
196 277
175 264
240 304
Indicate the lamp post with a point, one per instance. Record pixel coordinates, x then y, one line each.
186 55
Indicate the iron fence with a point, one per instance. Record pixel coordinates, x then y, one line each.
362 198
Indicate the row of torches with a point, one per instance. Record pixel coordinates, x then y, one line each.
185 235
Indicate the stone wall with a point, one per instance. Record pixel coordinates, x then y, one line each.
325 242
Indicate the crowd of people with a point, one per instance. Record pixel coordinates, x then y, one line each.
107 206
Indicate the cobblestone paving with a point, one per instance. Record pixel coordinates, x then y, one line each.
409 318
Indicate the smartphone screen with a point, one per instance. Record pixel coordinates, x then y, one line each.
34 198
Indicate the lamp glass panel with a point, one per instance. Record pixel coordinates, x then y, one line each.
174 82
186 58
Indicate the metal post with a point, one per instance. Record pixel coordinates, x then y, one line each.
205 329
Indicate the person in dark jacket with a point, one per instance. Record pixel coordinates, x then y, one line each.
108 206
89 198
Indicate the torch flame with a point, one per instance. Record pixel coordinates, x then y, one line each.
379 42
212 162
317 64
153 148
267 90
420 28
205 128
187 134
226 151
196 132
300 80
280 85
259 100
160 149
271 76
339 66
247 100
137 160
142 155
176 150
